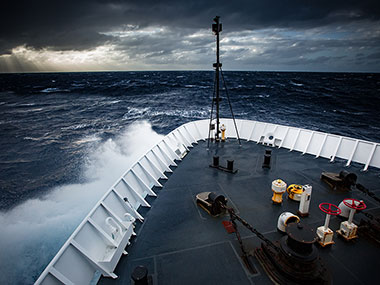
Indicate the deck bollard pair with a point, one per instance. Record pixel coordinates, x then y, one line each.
229 168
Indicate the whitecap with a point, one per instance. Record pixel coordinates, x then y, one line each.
54 89
32 138
296 84
74 127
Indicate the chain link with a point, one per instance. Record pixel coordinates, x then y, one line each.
234 216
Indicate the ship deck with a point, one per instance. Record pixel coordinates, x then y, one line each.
180 243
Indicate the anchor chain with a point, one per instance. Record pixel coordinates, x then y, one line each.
245 254
234 216
367 192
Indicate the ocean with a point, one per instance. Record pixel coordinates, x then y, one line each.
66 137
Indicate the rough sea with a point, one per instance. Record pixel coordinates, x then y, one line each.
66 137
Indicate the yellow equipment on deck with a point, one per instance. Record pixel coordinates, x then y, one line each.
278 188
294 192
223 130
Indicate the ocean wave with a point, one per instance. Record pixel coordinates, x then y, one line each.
33 139
183 113
90 117
50 219
75 127
54 90
134 112
114 102
78 84
85 140
26 104
16 161
295 83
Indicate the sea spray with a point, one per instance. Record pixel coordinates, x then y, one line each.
33 232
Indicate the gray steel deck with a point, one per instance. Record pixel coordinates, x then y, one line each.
180 244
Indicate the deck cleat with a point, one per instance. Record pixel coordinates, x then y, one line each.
324 233
348 230
294 192
278 188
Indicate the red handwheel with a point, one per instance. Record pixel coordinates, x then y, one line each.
354 204
330 209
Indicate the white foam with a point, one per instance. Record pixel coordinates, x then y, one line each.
33 232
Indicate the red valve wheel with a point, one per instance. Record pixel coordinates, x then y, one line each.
351 203
330 209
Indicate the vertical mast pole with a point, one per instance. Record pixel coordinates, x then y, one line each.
216 28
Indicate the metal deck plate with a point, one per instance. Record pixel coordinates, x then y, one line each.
179 243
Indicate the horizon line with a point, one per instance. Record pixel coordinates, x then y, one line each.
188 70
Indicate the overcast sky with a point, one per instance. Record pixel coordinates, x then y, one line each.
276 35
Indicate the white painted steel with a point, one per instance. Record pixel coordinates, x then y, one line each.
283 220
305 200
93 248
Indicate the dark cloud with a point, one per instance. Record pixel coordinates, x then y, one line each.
78 25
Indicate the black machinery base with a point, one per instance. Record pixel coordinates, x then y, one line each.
281 273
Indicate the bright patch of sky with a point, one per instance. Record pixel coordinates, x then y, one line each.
330 48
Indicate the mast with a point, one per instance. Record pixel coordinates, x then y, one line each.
217 28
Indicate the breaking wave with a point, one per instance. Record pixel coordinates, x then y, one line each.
33 232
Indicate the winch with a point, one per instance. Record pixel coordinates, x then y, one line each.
296 261
211 203
341 182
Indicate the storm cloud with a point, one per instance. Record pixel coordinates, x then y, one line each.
165 34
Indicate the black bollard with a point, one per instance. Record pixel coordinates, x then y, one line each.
230 165
215 161
140 275
267 157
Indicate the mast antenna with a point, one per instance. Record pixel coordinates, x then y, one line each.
217 28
